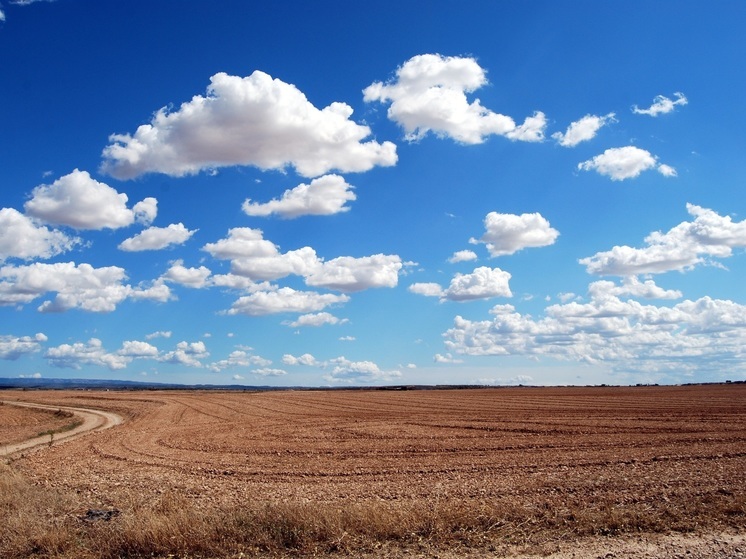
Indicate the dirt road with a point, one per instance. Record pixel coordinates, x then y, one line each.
91 420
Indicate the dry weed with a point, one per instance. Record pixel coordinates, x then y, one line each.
39 522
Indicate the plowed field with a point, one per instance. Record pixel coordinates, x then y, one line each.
18 424
522 465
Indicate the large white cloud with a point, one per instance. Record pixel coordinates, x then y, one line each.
255 120
686 245
259 259
157 238
75 355
661 105
703 335
482 283
21 237
350 274
79 201
76 286
508 233
583 130
242 242
429 95
254 257
299 262
138 350
625 163
284 300
325 195
12 347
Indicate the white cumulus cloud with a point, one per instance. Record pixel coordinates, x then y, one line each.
306 359
138 349
688 244
447 358
583 130
190 354
428 289
482 283
21 237
625 163
506 234
350 274
240 358
159 334
284 300
189 277
342 370
462 256
74 356
705 335
316 320
13 347
157 238
256 258
429 95
80 201
667 170
632 286
325 195
254 120
76 286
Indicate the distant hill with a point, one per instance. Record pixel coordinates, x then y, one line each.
106 384
101 384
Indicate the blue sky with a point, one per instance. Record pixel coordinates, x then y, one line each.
336 193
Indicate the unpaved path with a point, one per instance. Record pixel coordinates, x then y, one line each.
642 546
92 420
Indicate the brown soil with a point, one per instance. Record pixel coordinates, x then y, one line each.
21 423
542 469
63 424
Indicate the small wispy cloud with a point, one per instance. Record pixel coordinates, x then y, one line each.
661 105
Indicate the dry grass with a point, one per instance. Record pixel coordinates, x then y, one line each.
41 522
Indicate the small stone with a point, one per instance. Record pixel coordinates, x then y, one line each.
93 515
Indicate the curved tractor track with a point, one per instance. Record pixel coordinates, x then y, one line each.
90 420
